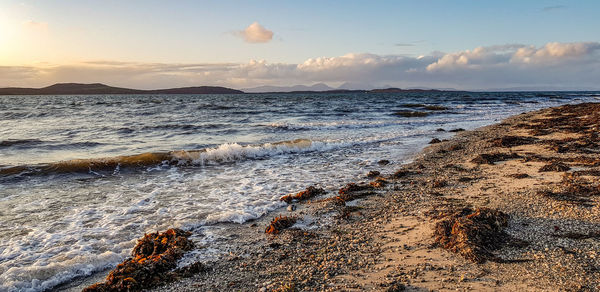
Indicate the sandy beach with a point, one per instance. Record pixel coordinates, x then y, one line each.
518 201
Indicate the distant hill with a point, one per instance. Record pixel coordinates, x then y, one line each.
344 88
295 88
394 89
98 88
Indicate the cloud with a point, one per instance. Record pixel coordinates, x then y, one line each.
255 33
35 25
555 7
510 65
404 45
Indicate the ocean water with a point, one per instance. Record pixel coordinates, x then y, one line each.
82 177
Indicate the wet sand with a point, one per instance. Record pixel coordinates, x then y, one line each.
540 169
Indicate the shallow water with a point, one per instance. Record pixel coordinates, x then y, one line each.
82 177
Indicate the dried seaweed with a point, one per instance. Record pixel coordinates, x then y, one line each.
554 166
473 234
280 223
512 141
303 195
152 263
491 158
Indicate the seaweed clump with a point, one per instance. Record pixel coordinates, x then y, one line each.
379 182
280 223
473 234
554 166
511 141
152 263
303 195
490 158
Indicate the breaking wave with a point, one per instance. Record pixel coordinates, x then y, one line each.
225 153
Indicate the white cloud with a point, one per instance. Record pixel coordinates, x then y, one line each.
515 65
256 33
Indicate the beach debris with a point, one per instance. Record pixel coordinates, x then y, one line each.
438 183
373 173
574 190
455 147
519 175
379 182
353 187
554 166
346 212
579 236
291 208
581 119
287 287
456 130
401 173
153 261
411 114
588 172
352 191
491 158
434 141
474 234
383 162
310 192
512 141
396 287
280 223
566 197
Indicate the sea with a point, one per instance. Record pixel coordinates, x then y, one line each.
83 176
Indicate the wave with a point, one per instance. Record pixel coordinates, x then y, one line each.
334 125
19 142
225 153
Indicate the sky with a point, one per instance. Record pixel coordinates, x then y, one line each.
241 44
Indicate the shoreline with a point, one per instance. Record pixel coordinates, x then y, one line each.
384 239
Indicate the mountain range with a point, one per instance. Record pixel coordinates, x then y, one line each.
98 88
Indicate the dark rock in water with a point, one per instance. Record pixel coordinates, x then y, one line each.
554 166
434 141
490 158
412 105
280 223
153 259
440 130
373 173
435 108
411 114
383 162
303 195
456 130
473 234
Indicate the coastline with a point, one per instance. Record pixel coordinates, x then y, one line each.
385 238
